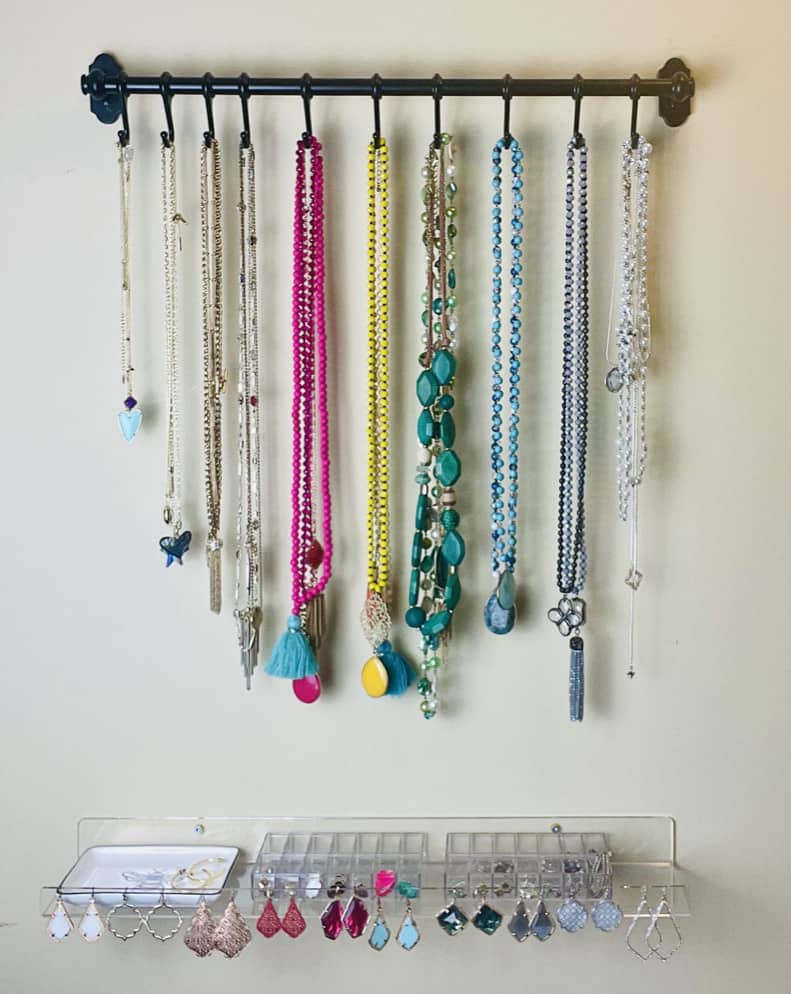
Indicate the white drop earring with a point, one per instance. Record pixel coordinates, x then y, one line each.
91 927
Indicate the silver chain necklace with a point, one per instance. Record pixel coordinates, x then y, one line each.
213 373
130 417
248 540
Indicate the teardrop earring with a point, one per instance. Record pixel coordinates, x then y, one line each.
642 907
232 933
293 922
408 935
200 934
90 927
60 924
355 917
542 925
384 882
658 948
519 925
332 916
268 923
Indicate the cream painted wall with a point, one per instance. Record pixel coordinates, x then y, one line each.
120 694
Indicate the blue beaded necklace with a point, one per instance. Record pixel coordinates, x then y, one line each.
569 615
500 610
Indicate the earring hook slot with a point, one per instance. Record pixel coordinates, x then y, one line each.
244 95
123 134
577 95
634 95
168 136
376 95
507 94
436 93
207 87
307 96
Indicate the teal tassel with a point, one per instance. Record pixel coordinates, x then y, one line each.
292 657
399 673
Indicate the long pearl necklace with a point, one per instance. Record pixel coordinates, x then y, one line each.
385 672
628 377
130 417
213 372
500 610
569 615
311 528
437 548
177 543
248 537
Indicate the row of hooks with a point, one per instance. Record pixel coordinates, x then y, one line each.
168 136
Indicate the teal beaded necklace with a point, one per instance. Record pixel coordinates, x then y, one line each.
437 547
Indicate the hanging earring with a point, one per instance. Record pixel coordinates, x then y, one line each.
124 905
384 883
658 948
642 907
293 923
90 927
519 925
355 917
572 914
268 923
130 417
332 916
605 914
452 919
408 935
162 905
486 919
200 934
542 925
232 933
60 924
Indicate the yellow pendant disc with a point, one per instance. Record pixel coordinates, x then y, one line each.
374 677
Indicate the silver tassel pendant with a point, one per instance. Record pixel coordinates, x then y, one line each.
214 561
576 679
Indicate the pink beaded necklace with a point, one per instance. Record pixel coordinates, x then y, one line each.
311 530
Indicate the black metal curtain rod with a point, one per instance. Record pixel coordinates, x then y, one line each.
107 85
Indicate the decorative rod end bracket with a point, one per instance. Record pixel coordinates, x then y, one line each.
675 109
105 104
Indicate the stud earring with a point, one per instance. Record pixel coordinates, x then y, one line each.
60 924
293 923
661 950
200 935
232 933
408 935
519 925
572 914
355 917
486 919
542 925
90 927
332 916
268 923
452 919
123 936
175 915
642 908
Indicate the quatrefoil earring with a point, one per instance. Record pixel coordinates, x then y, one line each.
174 914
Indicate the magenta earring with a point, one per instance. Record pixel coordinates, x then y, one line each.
268 923
293 923
332 915
355 917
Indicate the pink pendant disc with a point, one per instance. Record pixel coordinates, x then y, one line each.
307 689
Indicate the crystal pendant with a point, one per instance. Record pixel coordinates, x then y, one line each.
129 422
355 918
519 925
498 620
332 920
91 927
452 919
614 380
408 935
380 934
572 915
606 915
60 925
542 926
487 919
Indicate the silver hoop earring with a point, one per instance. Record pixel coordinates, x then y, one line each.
123 936
170 911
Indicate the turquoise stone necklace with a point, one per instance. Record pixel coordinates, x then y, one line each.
500 610
437 547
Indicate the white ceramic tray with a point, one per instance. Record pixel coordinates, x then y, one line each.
143 873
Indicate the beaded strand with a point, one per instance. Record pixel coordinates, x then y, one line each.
500 610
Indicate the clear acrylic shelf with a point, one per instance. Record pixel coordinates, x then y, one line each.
445 858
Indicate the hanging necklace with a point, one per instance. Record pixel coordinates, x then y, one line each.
628 377
311 557
213 373
129 419
569 615
437 548
385 672
177 543
248 547
500 610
